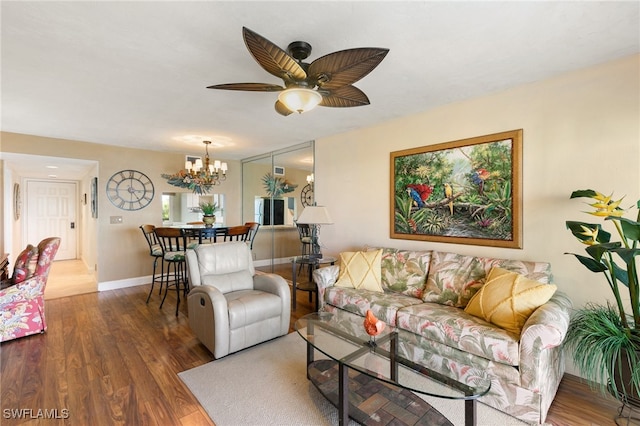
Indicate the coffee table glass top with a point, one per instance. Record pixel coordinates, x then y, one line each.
341 337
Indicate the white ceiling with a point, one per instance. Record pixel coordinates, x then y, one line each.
134 73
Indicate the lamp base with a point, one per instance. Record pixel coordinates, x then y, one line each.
315 256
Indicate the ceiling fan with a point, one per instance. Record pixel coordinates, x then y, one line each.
327 81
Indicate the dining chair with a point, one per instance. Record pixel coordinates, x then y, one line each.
174 243
155 251
253 230
237 233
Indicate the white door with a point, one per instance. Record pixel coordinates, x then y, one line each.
51 212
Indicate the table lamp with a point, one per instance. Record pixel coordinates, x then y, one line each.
315 216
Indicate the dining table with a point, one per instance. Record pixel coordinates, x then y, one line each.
203 233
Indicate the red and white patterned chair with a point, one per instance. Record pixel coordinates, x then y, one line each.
22 299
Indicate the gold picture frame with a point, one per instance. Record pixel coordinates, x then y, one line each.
467 191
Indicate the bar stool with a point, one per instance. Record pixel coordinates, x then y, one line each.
155 251
174 243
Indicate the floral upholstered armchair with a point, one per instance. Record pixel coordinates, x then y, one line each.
22 297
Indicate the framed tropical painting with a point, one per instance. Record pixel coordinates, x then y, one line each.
464 192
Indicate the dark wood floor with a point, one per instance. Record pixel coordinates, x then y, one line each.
109 358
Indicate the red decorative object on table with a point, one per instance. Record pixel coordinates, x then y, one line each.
372 325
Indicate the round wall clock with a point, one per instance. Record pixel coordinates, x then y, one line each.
130 190
306 196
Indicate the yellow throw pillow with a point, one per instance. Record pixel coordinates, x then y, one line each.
507 299
361 270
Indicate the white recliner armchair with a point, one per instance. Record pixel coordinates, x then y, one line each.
230 307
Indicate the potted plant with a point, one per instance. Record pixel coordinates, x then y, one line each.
606 338
208 213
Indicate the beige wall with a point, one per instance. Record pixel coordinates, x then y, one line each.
581 130
120 249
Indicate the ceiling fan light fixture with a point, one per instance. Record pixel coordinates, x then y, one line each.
300 99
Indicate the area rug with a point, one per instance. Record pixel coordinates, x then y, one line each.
267 385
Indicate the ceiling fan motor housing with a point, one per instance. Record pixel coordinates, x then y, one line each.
299 50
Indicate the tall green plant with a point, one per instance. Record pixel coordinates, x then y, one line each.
600 334
605 255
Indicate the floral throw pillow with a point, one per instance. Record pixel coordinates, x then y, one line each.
25 264
454 278
405 271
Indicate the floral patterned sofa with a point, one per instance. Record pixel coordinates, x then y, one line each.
426 292
22 298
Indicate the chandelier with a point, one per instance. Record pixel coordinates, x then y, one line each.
198 176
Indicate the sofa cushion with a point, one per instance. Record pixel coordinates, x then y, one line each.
454 362
507 299
455 328
454 278
361 270
383 305
405 271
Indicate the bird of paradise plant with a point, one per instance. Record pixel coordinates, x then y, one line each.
606 339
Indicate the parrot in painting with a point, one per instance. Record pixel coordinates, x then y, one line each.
478 177
372 325
419 192
448 192
415 196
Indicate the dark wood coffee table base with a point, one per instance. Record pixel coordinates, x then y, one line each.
371 401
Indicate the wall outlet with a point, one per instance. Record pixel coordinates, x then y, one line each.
115 220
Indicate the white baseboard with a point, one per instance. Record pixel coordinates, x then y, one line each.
127 282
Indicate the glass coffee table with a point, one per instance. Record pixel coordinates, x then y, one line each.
363 376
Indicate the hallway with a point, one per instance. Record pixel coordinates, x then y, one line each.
68 278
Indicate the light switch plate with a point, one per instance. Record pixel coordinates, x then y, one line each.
115 220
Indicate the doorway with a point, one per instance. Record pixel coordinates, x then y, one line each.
24 172
51 209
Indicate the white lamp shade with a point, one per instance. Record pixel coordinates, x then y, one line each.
315 215
299 99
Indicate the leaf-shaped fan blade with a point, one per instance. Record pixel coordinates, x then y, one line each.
273 59
346 96
346 66
249 87
282 109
